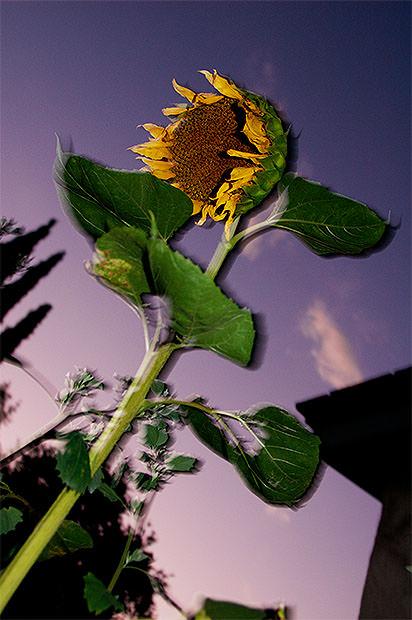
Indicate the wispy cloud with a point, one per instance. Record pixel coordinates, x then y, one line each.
335 361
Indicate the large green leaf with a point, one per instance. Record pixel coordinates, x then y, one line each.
69 537
100 198
120 262
285 457
328 223
225 610
200 313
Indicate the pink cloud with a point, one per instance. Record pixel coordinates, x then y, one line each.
335 361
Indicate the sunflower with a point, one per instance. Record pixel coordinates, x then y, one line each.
226 151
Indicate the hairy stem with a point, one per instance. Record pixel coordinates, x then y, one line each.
222 250
129 408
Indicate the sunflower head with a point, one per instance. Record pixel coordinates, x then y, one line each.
226 151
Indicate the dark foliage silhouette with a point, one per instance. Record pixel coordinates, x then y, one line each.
14 257
55 587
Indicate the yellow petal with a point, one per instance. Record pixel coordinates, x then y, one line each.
223 85
170 129
205 213
174 111
154 150
255 126
223 189
155 130
184 92
229 208
197 206
244 155
242 174
163 174
254 130
250 107
222 200
208 98
157 165
217 217
241 177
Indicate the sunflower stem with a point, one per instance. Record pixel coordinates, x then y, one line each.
132 405
222 250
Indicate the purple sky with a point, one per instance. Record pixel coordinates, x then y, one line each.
92 71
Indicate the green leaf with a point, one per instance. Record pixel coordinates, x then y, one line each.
136 556
9 519
120 262
326 222
97 596
159 388
145 482
69 537
284 463
73 463
225 610
101 198
109 493
96 481
182 463
156 435
201 314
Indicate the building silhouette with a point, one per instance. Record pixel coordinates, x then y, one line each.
365 432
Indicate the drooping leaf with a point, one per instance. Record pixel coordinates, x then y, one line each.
120 262
9 519
73 463
201 314
327 222
156 435
285 455
69 537
100 198
225 610
97 596
182 463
